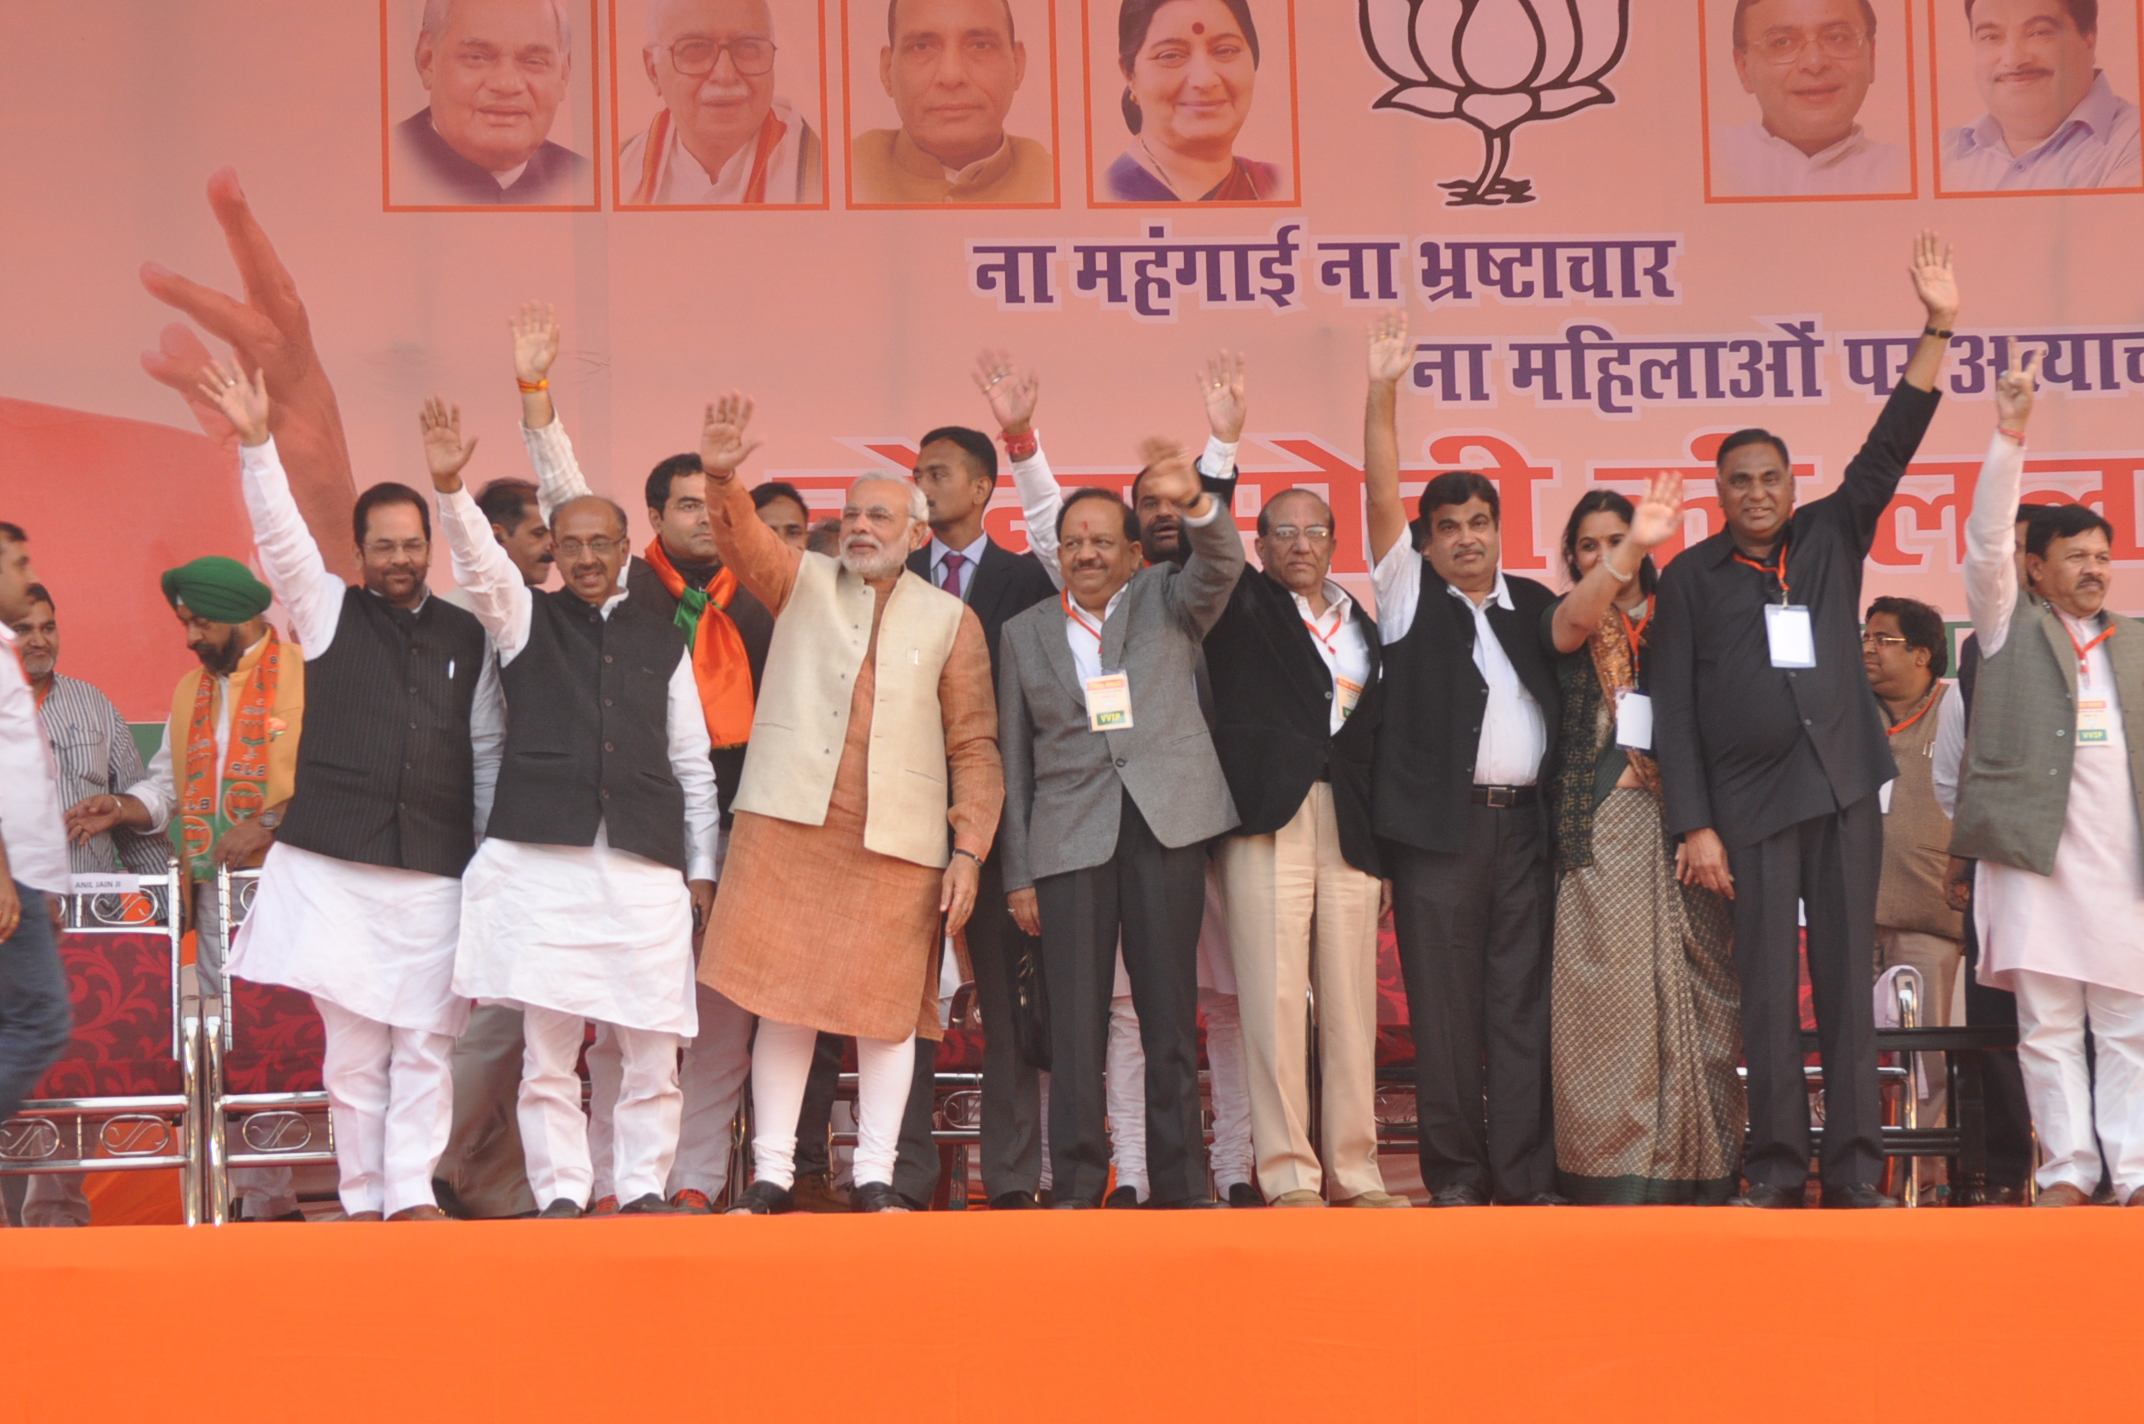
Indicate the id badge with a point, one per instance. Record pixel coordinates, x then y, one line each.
1350 694
2094 722
1792 637
1634 721
1109 702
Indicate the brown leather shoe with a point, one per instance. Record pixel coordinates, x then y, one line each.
1385 1200
361 1216
422 1212
2136 1198
1301 1196
2061 1194
817 1192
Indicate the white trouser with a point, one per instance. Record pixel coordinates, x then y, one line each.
1230 1157
781 1061
644 1106
391 1091
710 1077
2052 1015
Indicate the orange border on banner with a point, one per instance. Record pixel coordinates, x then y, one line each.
848 138
595 137
1295 127
618 204
1913 128
1935 128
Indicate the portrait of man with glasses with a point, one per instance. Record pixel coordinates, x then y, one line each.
1810 65
723 137
496 74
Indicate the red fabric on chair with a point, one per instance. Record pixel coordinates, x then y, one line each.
276 1040
1395 1040
120 987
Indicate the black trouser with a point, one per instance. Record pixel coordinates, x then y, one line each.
2002 1084
1156 897
1473 930
1829 866
36 1019
816 1118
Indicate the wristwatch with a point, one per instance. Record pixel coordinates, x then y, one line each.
270 819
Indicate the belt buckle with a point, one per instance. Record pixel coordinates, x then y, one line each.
1501 798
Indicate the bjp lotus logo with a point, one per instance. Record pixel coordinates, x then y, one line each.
1495 64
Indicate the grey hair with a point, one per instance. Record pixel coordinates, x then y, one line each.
436 12
919 508
655 13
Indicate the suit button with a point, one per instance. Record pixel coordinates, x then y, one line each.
1120 761
606 702
413 692
608 658
1808 722
1328 696
413 726
604 793
2062 731
608 747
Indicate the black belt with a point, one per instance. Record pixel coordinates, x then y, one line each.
1500 797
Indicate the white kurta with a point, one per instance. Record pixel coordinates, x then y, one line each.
376 940
2086 920
587 930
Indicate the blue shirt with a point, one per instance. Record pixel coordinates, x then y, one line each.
2095 147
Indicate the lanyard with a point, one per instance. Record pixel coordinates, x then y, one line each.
1327 638
1633 630
1780 573
1926 703
2082 649
1073 613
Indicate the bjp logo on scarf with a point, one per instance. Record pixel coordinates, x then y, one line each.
1495 64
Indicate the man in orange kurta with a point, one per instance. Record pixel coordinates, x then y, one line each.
847 868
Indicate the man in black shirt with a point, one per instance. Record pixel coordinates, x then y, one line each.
1771 754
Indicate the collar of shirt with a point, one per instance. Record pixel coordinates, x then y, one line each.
1338 608
1846 148
2095 113
680 168
969 174
973 554
1074 613
1500 596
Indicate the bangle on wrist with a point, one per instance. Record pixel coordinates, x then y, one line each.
1020 447
2015 435
957 850
1943 332
531 387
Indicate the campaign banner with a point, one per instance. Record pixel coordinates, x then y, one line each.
1622 231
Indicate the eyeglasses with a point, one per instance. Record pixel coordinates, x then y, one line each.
693 56
1289 533
388 548
1882 640
601 548
1784 47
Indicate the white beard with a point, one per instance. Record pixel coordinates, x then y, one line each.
882 564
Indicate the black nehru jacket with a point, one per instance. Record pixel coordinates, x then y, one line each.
1435 700
1002 585
755 625
386 774
588 730
1273 700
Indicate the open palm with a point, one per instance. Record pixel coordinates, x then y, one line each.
1390 350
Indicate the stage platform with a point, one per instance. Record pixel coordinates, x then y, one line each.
1602 1315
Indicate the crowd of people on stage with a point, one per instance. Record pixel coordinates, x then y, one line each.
735 797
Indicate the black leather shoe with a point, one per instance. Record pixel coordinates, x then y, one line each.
1243 1194
650 1205
561 1210
1543 1199
1459 1196
1123 1199
1014 1201
1071 1204
450 1201
1769 1198
877 1196
1856 1198
1191 1204
762 1198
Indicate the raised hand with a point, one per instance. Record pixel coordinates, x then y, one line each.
1222 385
2014 393
722 444
1659 511
535 329
1390 350
1934 281
1011 394
242 402
444 449
1169 472
269 333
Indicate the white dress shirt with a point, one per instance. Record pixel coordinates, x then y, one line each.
2095 147
1514 731
682 179
32 821
1339 641
1749 160
973 555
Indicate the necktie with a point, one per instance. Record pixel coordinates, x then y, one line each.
953 565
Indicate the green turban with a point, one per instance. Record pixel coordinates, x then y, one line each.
218 589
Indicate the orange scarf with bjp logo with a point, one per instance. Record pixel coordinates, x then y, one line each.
213 801
720 668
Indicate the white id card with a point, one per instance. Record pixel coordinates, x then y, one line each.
106 884
1350 694
1109 702
1633 720
2094 721
1793 638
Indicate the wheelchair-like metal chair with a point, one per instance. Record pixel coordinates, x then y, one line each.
266 1104
125 1095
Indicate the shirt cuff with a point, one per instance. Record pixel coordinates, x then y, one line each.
1218 459
1213 512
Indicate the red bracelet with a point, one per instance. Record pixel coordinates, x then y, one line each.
1020 447
530 387
2017 436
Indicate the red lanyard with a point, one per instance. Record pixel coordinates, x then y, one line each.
1632 630
1326 638
2104 635
1785 588
1926 703
1080 618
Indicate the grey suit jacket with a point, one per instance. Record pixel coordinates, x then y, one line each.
1064 784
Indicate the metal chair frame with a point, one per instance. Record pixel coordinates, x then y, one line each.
136 1133
266 1121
